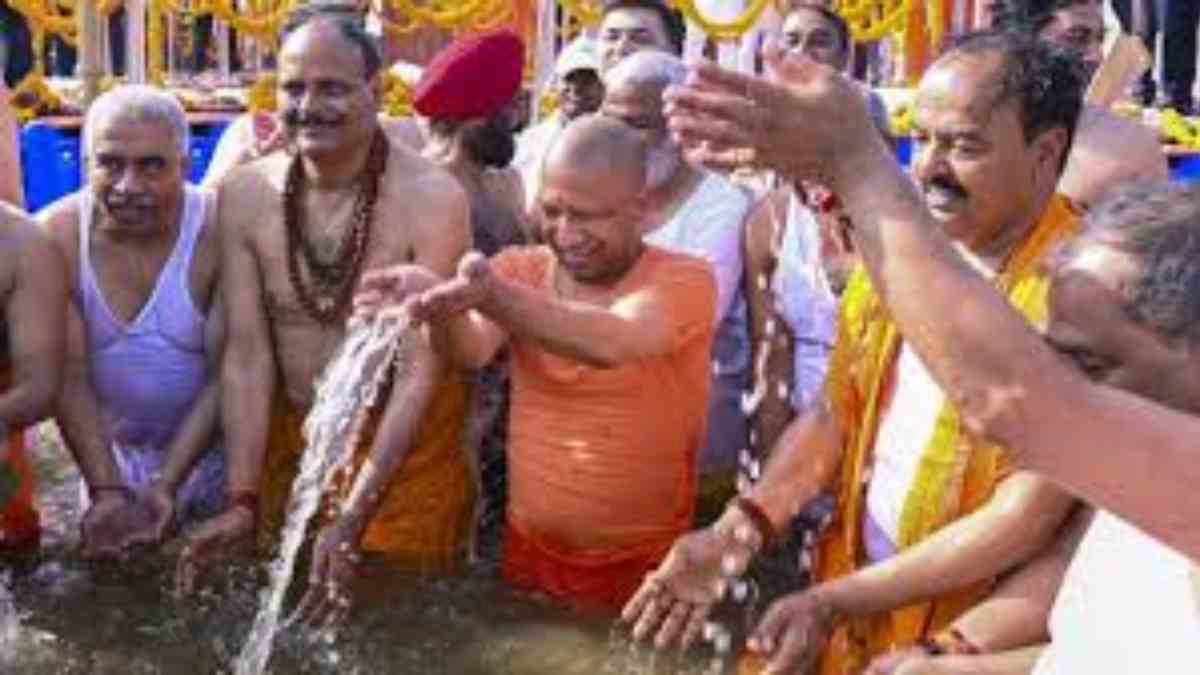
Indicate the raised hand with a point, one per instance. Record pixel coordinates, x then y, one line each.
795 124
793 632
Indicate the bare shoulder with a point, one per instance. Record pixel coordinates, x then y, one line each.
403 131
60 223
1098 125
431 190
1109 150
246 195
24 239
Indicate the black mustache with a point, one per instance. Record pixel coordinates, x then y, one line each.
946 185
297 118
120 202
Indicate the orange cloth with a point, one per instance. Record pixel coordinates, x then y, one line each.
602 462
958 471
424 520
20 527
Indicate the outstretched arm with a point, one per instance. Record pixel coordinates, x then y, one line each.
964 331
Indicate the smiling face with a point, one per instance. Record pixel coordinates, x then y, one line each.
136 170
592 220
327 101
1079 29
628 30
981 178
808 32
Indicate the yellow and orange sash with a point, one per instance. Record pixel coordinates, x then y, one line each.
957 472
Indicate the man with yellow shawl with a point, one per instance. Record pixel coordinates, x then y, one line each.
928 515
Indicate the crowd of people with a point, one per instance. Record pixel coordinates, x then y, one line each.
684 312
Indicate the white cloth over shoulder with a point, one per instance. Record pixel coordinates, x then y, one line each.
1128 606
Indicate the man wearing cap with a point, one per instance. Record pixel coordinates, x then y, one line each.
577 84
298 230
467 96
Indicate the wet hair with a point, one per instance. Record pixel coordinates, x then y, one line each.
1156 224
670 19
347 18
142 103
1046 81
491 144
646 69
836 20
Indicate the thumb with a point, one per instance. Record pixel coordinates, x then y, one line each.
473 266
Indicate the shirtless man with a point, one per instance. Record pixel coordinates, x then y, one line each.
1108 149
466 94
297 233
258 134
138 408
33 293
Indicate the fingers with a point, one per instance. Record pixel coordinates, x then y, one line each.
793 655
652 616
683 103
185 573
641 597
672 627
766 636
694 629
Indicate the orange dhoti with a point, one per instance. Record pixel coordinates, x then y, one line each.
424 519
19 524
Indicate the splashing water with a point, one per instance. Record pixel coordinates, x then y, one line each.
345 394
10 623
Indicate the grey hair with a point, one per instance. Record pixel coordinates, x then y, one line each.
651 69
141 103
1157 225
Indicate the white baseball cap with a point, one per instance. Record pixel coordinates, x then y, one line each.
581 54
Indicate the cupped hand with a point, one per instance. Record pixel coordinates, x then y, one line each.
793 632
214 539
335 565
108 524
159 501
391 288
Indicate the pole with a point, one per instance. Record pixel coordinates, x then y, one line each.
92 66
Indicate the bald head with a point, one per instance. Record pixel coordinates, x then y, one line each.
599 146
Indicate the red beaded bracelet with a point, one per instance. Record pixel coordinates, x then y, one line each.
766 530
246 499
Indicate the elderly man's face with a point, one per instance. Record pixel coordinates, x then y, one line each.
592 222
1080 30
1089 327
581 91
328 104
625 31
136 169
979 174
641 108
806 32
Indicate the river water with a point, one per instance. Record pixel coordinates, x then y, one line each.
69 616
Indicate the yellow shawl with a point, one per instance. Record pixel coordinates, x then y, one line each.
957 472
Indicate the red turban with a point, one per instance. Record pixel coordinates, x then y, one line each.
473 77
